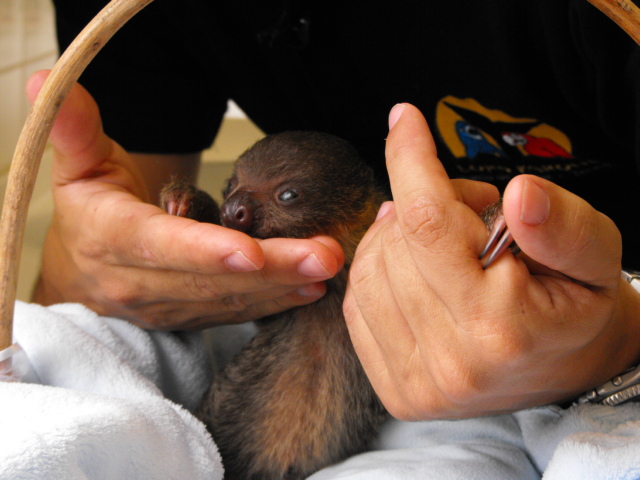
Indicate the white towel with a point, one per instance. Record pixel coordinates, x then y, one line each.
105 406
100 409
584 442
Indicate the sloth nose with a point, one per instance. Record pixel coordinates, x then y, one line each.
237 215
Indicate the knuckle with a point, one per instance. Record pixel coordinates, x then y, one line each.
235 303
392 239
418 403
500 346
350 312
143 251
153 322
265 278
398 409
122 294
363 273
585 236
95 252
461 389
410 397
203 286
593 232
425 220
400 151
284 302
459 380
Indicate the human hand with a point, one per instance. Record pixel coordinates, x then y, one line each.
439 337
121 256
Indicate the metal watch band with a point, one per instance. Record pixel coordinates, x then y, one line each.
625 387
620 389
632 277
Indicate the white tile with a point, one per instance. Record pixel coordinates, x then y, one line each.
11 114
234 137
38 221
213 177
39 29
46 62
14 105
11 33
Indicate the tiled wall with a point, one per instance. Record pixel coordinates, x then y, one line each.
27 44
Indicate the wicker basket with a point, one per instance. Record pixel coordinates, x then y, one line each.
35 133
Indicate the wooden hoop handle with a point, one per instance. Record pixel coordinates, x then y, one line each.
32 141
624 12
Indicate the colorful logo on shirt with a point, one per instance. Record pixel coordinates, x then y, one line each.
492 145
470 130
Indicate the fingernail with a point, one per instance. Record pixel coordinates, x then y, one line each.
311 267
395 114
239 262
312 290
535 204
384 209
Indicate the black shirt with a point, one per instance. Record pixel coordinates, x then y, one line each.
547 87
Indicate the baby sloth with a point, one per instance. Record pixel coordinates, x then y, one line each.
296 398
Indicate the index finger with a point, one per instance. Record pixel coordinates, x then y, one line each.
166 242
155 240
412 159
439 229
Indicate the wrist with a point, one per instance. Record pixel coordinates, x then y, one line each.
624 386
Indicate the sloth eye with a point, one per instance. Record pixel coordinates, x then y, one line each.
288 196
231 184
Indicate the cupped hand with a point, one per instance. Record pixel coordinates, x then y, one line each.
112 250
439 337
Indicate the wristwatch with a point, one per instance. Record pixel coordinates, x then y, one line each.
632 277
623 388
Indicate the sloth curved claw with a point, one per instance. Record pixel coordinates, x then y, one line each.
500 239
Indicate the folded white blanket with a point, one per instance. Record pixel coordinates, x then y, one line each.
100 408
106 407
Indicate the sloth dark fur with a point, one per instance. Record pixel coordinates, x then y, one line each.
296 398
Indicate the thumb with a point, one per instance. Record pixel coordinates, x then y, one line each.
562 231
77 136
